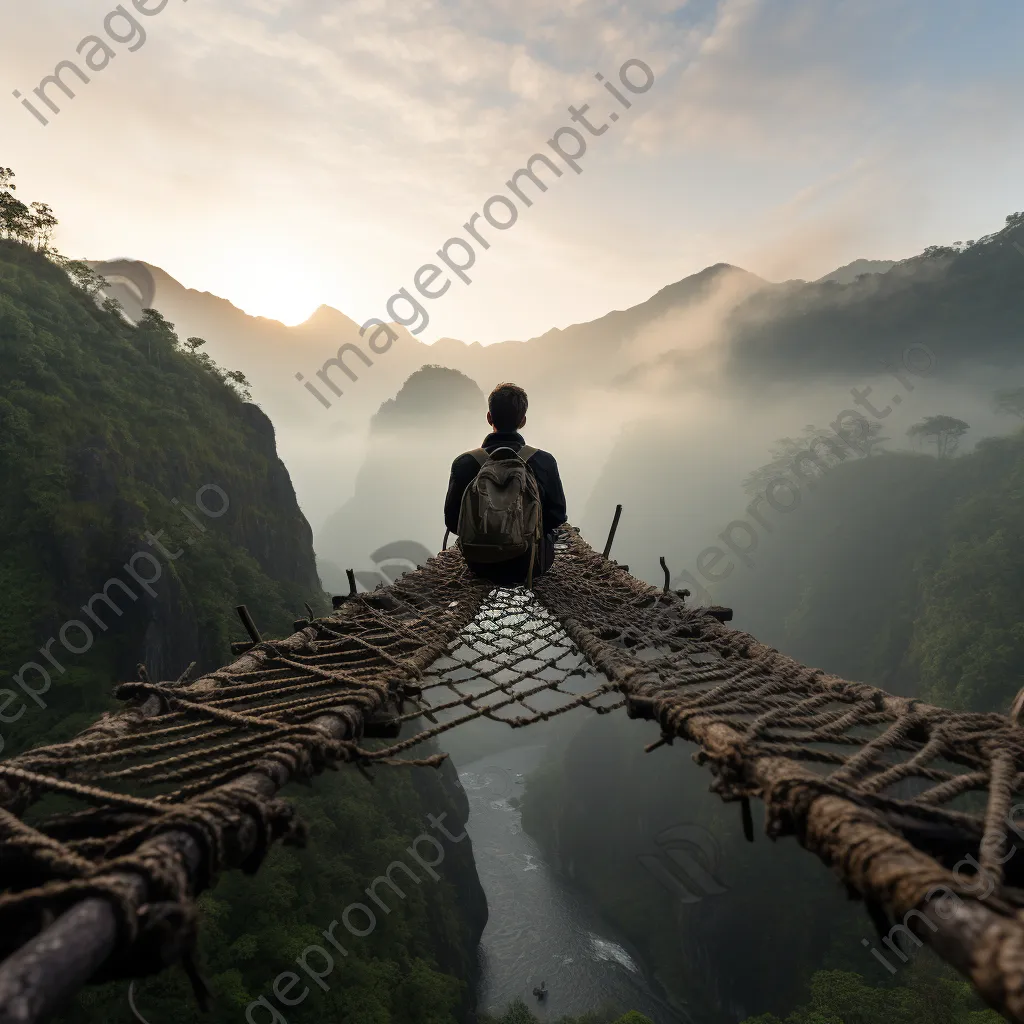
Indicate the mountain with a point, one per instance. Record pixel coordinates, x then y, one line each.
739 312
311 439
399 490
597 350
851 271
268 352
431 398
965 302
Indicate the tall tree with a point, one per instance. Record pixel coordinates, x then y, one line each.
14 218
942 431
80 273
236 379
43 223
17 220
11 210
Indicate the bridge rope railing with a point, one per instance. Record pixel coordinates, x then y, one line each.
911 805
181 785
155 801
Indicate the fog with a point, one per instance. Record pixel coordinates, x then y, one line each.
665 408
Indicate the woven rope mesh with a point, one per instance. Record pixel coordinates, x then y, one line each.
890 792
678 664
514 664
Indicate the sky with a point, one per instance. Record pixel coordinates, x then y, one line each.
289 153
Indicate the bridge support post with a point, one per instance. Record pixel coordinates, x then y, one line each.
611 532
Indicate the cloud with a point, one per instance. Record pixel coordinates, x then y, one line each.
286 154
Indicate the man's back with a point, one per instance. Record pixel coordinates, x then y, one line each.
545 470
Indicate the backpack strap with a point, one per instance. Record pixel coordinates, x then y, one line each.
481 455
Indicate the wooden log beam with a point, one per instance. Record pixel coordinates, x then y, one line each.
46 972
28 990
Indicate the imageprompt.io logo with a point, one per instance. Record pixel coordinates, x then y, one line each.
132 1006
130 283
686 863
392 561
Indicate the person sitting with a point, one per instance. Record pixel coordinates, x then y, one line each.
505 499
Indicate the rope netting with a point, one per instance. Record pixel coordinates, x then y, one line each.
116 831
912 805
512 664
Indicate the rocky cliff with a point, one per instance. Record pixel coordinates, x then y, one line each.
141 500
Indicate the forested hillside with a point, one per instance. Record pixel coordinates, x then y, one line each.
125 456
902 570
417 966
141 499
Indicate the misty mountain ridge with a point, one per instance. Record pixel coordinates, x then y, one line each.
722 331
756 313
851 271
326 318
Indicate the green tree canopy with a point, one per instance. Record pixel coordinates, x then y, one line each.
842 997
942 431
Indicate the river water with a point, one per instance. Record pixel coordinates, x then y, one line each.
539 929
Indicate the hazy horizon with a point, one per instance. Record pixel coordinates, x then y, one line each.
431 341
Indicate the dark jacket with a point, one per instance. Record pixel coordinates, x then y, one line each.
552 499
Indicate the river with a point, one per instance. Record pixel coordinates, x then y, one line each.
538 928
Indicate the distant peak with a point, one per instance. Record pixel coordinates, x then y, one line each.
696 286
326 318
430 395
851 271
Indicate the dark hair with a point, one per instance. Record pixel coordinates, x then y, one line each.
507 404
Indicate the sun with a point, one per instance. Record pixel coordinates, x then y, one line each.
283 292
272 277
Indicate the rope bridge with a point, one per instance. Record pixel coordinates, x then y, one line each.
106 840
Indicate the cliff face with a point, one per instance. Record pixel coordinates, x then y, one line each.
666 862
141 500
456 950
246 512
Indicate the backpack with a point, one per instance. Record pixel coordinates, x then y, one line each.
500 517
